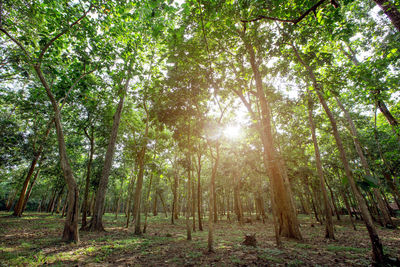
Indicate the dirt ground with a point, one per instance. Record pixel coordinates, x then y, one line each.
35 239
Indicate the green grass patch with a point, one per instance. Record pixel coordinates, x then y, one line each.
343 248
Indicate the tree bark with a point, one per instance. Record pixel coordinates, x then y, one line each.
28 193
387 220
377 248
88 172
70 233
285 213
96 223
119 199
390 11
328 213
210 241
139 183
199 201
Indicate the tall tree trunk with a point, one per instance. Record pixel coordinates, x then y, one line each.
19 207
285 211
139 183
199 193
333 200
390 11
377 248
193 203
165 208
155 211
119 198
236 197
130 197
96 223
28 193
10 200
210 241
88 172
188 200
328 213
346 202
387 221
147 204
70 233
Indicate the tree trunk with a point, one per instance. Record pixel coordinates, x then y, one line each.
146 207
346 202
333 200
155 211
210 241
199 191
28 193
119 199
285 211
139 183
19 207
130 197
163 204
96 223
328 213
377 249
88 172
188 199
10 200
236 197
387 221
193 203
390 11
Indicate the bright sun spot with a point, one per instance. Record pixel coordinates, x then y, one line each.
232 131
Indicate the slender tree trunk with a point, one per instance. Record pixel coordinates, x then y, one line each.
390 11
10 200
57 200
328 213
236 197
165 208
188 201
387 221
88 172
129 200
174 213
333 200
19 207
210 241
281 194
28 193
146 208
139 183
119 199
96 223
155 212
377 248
199 193
346 203
193 203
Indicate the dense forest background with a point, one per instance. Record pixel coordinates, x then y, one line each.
238 109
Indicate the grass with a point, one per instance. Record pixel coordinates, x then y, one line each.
343 249
34 240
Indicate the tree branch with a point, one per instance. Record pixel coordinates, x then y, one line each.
295 20
44 49
73 86
16 42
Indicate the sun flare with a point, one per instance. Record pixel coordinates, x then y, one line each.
232 131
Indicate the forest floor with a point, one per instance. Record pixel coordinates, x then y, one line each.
34 240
